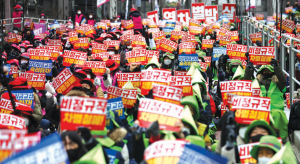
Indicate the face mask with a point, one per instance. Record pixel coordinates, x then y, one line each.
242 131
231 27
79 12
70 20
24 66
234 70
22 50
256 138
24 61
108 39
42 17
88 76
187 130
26 121
3 31
118 36
91 16
263 160
208 37
90 49
267 75
73 154
111 52
15 31
167 61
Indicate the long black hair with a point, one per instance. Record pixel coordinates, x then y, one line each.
76 138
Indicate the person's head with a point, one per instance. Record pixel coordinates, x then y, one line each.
70 19
267 71
191 102
268 146
288 3
111 65
257 129
167 58
78 12
234 65
42 15
27 32
296 3
73 145
88 85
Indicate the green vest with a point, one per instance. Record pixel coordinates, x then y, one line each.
277 101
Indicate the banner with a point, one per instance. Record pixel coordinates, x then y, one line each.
116 104
198 11
196 30
180 73
41 66
14 70
184 82
184 16
224 40
82 111
298 28
186 60
236 51
211 13
64 81
196 154
217 52
129 25
101 56
167 93
24 96
101 25
150 54
82 43
55 42
153 30
207 43
97 67
153 15
256 36
158 35
288 26
224 31
9 121
259 16
248 109
5 106
229 10
134 78
138 41
234 35
224 108
7 139
169 151
187 47
98 48
129 96
36 80
80 29
136 56
49 151
167 45
55 50
148 77
194 22
167 114
203 66
26 141
74 57
261 55
169 14
39 54
73 36
112 43
288 9
175 35
241 88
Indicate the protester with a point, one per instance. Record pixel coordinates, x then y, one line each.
17 14
187 89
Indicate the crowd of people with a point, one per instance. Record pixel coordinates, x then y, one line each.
208 119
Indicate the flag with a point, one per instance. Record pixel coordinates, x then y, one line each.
54 25
31 25
83 21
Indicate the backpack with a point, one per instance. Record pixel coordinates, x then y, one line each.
294 121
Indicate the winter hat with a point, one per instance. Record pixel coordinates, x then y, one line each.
80 74
234 62
188 119
18 7
111 64
269 67
90 82
260 123
279 121
19 83
153 61
6 96
284 155
89 70
191 100
239 73
268 141
133 9
13 61
24 109
171 56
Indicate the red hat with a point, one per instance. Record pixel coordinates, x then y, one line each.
42 14
133 9
89 70
24 109
80 74
24 55
6 96
13 61
19 83
111 64
26 42
18 7
90 36
17 47
89 82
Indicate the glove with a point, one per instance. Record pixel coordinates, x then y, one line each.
97 81
85 133
104 76
250 66
274 63
153 129
48 95
49 88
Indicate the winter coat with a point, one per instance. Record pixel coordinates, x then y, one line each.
78 18
137 20
91 22
274 87
17 14
37 111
